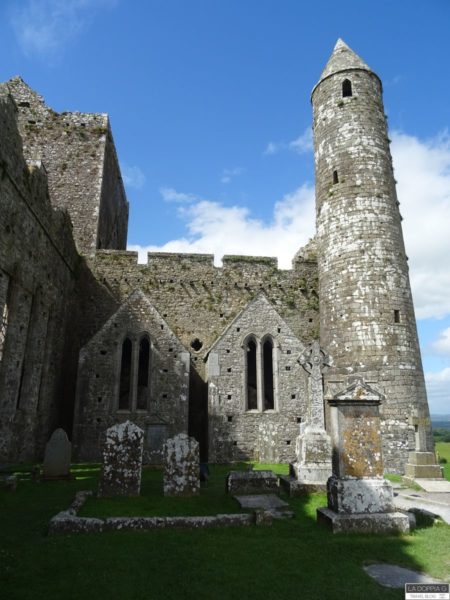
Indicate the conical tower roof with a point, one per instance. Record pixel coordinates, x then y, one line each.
343 59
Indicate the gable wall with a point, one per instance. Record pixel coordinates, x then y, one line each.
236 433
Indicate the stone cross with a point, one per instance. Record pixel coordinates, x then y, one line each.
122 461
315 361
181 466
57 456
420 430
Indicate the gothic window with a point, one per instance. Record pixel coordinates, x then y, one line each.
143 374
260 367
268 375
347 88
135 374
252 384
335 177
125 375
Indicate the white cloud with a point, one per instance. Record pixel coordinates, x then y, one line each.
171 195
44 27
132 176
273 148
216 229
229 174
304 142
442 344
422 169
438 389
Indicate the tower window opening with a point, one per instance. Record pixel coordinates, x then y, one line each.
335 177
347 88
396 316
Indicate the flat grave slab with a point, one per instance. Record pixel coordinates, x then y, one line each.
265 501
434 485
396 577
252 482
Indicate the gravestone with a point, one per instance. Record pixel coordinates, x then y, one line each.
57 456
181 466
359 498
421 463
313 446
122 461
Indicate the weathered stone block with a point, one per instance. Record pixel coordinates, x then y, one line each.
252 482
181 466
122 461
394 522
354 496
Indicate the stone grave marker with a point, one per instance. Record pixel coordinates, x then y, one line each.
122 461
58 451
359 498
421 463
181 466
312 468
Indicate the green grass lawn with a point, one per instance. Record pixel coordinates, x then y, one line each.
443 450
290 560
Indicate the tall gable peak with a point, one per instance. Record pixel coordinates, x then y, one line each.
343 59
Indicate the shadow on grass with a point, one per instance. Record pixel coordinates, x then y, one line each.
291 559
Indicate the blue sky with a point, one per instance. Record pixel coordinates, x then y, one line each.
209 105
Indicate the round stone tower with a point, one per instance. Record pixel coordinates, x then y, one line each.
367 321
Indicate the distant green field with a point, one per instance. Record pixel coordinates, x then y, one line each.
443 450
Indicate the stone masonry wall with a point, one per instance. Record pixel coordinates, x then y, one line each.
78 152
38 270
97 408
367 321
199 300
236 433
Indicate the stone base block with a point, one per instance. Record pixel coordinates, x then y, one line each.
311 473
394 522
421 458
417 471
252 482
357 496
298 488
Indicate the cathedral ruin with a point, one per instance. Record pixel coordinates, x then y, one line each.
90 338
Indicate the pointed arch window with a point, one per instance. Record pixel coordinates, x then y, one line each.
125 375
260 374
135 374
268 359
143 374
347 88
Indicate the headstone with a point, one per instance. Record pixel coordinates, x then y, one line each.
421 463
57 456
313 446
181 466
359 498
122 461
